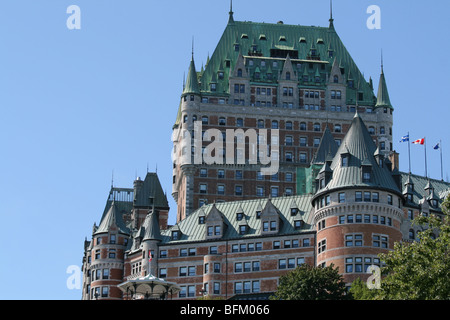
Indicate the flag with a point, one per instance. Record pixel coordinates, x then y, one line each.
419 141
437 147
149 256
405 138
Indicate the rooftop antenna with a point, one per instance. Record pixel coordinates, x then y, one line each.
112 179
382 63
331 14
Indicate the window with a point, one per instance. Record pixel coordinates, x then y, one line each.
203 173
205 120
191 291
289 140
303 126
163 254
203 188
288 125
375 197
216 288
322 246
163 273
112 239
367 196
389 197
274 124
238 190
191 271
105 274
112 253
274 192
182 272
222 121
358 196
260 191
306 242
316 127
380 241
337 128
240 122
276 245
220 189
282 264
105 292
341 197
302 157
354 240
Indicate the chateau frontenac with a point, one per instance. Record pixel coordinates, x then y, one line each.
337 196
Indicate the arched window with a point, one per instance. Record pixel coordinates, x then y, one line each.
274 124
288 76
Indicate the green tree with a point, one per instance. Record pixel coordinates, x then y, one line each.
311 283
420 270
360 291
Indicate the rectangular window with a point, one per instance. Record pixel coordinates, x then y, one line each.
358 196
282 264
341 197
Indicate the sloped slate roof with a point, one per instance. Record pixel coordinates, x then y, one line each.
193 231
327 148
267 36
151 187
359 145
441 188
112 218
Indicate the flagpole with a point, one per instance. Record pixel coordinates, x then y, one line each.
409 154
425 145
442 170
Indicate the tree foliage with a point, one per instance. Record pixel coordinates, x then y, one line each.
420 270
311 283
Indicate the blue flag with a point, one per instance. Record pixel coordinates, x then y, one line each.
436 147
405 138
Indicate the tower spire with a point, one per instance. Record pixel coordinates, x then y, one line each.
231 19
331 15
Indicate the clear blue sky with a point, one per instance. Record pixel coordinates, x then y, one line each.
77 105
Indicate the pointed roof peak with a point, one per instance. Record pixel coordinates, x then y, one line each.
231 18
331 20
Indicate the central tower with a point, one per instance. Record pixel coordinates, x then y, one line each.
299 80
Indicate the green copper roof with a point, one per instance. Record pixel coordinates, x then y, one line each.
418 184
113 218
383 95
258 39
151 226
327 148
192 230
360 150
192 80
150 192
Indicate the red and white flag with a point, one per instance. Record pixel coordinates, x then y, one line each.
149 256
419 141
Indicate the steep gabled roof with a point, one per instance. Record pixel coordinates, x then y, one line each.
327 148
360 149
383 95
239 37
192 230
151 189
151 227
112 218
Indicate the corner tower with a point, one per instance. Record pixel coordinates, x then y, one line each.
358 206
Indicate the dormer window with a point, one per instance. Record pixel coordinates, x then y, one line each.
242 229
344 161
294 211
201 220
366 176
239 216
176 235
258 214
